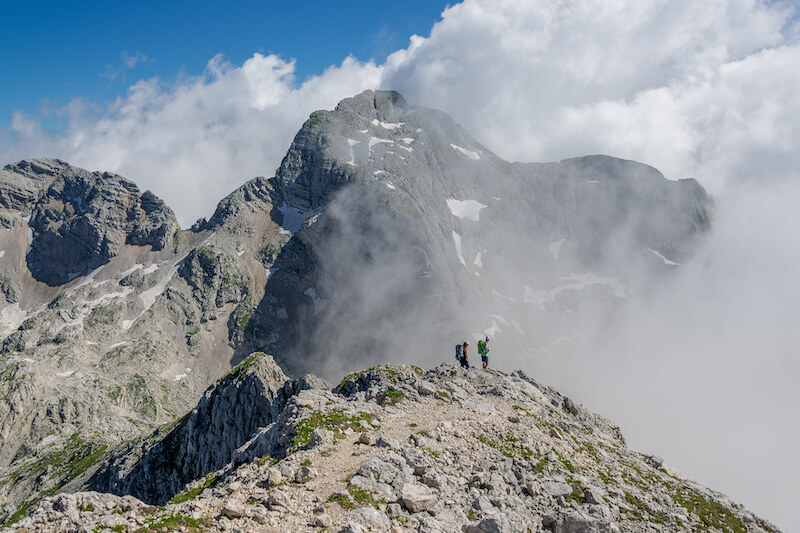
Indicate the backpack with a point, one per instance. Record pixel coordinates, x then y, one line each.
458 352
482 346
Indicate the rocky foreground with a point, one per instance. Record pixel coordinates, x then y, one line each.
396 448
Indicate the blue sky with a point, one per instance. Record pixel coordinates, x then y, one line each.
55 51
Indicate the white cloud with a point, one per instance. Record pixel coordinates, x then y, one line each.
700 89
195 140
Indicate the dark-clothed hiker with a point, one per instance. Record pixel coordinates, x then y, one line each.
465 360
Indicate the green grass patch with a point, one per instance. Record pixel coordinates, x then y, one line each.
505 443
334 420
63 465
193 493
430 452
344 502
174 522
392 396
710 514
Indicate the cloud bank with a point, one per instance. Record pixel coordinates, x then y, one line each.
705 374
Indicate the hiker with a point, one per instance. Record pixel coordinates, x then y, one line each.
483 349
465 360
460 354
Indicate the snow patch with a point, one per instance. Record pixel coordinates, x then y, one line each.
240 253
407 140
478 260
66 374
149 296
2 253
352 143
117 345
390 185
180 377
28 360
293 218
378 172
457 241
500 318
504 297
387 125
492 330
555 248
319 303
470 209
419 130
377 140
574 282
406 148
658 254
469 153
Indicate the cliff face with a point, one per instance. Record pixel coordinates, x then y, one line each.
403 449
387 226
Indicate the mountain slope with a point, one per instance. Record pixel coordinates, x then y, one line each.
387 233
396 447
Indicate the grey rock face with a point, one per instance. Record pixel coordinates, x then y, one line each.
251 396
80 219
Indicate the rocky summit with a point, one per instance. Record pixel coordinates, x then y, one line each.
399 448
132 351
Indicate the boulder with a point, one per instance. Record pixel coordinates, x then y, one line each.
417 498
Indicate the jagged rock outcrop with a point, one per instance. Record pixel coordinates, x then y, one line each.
485 451
229 413
80 219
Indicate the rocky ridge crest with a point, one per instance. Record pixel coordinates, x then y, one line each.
397 448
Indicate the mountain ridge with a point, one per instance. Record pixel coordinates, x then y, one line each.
366 237
399 448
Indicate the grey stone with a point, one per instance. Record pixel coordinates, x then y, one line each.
352 527
372 517
233 509
367 438
321 520
305 474
417 498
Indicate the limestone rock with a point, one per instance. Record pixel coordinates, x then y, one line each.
417 498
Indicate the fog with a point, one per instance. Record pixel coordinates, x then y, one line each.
700 367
